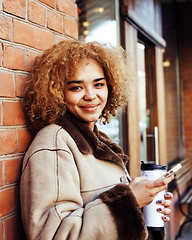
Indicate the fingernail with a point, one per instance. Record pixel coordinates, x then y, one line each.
159 201
159 209
167 194
164 218
175 175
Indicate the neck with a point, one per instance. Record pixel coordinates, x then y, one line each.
91 125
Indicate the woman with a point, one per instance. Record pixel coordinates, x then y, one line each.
74 182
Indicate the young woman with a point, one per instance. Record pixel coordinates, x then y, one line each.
74 182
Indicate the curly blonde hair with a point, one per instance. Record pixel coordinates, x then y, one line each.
44 100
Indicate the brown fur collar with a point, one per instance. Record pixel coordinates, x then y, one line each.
96 143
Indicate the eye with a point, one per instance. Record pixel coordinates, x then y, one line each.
99 84
75 88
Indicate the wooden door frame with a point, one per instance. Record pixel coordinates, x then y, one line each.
129 38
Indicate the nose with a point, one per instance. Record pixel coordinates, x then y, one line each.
90 94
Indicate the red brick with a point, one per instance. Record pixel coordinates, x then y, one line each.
186 74
8 140
31 55
0 114
25 138
15 7
5 30
36 13
13 114
6 84
55 21
12 170
1 175
14 228
70 28
14 58
32 36
8 201
1 54
68 7
20 80
59 38
1 230
50 3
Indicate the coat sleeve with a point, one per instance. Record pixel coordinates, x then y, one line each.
52 206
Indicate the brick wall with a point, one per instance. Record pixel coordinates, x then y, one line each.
184 38
172 117
27 27
185 28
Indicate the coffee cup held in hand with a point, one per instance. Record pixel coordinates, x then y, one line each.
153 218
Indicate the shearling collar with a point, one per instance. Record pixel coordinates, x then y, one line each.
89 142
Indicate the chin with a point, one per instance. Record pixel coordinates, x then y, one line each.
90 119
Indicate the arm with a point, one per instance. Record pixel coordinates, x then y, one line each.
52 206
51 203
45 201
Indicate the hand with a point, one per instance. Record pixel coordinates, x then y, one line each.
166 203
146 190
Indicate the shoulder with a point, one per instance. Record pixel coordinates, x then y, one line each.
48 138
49 134
48 141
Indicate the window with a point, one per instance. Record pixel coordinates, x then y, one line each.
99 21
147 102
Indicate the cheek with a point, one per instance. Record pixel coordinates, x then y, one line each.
105 95
71 98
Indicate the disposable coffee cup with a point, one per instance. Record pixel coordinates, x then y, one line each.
153 219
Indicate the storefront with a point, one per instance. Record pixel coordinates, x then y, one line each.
127 23
155 126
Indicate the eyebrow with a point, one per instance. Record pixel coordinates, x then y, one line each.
80 81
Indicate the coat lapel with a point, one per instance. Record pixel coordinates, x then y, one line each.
89 142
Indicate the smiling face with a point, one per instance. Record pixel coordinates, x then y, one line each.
86 92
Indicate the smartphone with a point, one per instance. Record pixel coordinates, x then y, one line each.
171 171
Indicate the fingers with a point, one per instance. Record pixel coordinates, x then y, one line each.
165 206
167 180
146 190
166 218
165 211
156 186
165 203
160 185
168 195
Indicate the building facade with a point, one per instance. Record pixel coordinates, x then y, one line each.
155 127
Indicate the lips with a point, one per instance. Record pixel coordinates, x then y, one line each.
89 108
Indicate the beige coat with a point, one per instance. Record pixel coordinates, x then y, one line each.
74 186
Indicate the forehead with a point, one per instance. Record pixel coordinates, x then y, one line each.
88 67
87 62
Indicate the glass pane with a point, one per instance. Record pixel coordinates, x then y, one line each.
143 114
99 21
111 129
